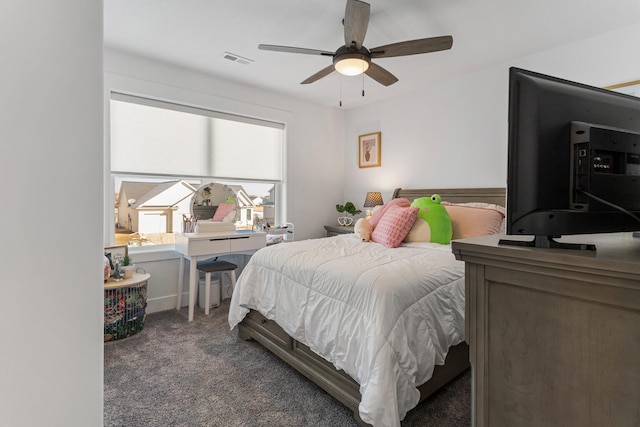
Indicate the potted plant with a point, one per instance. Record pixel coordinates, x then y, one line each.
349 208
128 266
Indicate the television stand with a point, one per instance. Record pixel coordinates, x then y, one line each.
556 334
548 242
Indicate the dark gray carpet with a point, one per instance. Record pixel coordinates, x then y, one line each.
179 373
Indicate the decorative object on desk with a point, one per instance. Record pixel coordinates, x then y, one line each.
115 255
349 208
128 267
257 223
206 191
279 233
373 199
345 220
369 150
189 224
118 272
107 268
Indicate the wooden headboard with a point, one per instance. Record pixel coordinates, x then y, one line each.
457 195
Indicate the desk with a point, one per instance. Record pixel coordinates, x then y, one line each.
125 302
201 246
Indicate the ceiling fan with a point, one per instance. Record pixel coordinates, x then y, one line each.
353 58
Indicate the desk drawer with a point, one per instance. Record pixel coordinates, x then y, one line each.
209 246
245 243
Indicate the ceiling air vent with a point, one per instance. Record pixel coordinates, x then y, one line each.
237 58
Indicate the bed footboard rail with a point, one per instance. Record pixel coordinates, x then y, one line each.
336 382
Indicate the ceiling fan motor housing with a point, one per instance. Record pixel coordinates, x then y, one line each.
351 61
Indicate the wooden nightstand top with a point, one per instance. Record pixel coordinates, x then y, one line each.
333 230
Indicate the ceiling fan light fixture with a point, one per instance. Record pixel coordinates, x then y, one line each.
353 58
351 65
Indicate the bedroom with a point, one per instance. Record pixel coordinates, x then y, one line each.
432 114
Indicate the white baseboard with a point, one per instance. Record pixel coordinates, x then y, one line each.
168 302
164 303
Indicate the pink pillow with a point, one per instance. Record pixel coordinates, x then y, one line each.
474 219
394 226
223 210
378 213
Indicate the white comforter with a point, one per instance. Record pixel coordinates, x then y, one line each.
384 316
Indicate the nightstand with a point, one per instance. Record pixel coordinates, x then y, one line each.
334 230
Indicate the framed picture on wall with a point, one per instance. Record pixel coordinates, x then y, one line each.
369 152
630 88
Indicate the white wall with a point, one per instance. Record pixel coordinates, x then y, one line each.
51 325
51 151
314 134
450 135
454 135
314 146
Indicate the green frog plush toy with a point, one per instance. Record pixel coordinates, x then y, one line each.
433 223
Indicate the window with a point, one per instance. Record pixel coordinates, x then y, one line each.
162 152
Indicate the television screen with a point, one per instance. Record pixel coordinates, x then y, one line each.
574 159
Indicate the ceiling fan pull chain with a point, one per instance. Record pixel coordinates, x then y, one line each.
363 85
341 91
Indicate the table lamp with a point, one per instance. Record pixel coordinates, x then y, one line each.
373 199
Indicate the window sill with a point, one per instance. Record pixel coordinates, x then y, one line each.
153 253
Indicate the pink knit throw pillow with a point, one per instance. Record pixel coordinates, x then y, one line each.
222 211
378 213
394 226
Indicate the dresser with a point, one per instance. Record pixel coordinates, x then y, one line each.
554 335
196 247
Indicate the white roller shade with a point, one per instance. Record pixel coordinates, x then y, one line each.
246 150
159 138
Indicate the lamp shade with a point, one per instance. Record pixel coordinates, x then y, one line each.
374 198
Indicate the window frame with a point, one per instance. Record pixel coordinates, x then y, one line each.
110 195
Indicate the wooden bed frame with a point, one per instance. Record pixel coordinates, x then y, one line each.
336 382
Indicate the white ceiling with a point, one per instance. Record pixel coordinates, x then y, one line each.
196 33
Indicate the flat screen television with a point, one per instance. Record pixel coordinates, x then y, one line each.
573 161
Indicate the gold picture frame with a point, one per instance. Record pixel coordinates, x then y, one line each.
630 88
369 150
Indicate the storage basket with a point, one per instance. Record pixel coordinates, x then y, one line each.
124 311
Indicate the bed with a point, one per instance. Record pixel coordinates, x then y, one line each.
380 329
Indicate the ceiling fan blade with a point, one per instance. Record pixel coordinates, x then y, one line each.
356 21
290 49
380 75
412 47
320 74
